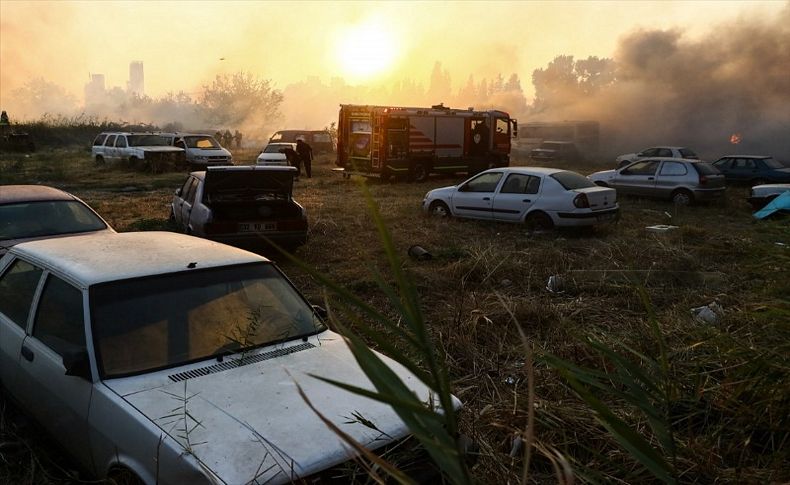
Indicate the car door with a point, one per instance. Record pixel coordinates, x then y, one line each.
178 203
474 198
19 283
638 178
516 195
743 169
670 176
58 401
110 153
121 148
187 203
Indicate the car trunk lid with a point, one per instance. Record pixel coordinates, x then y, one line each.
599 198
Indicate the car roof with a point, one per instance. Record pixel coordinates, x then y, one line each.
529 170
98 258
10 194
244 168
747 156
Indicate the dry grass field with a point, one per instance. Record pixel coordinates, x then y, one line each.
730 380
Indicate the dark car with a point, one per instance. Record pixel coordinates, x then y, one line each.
752 169
556 150
30 212
244 206
319 140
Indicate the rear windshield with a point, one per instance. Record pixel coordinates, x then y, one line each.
686 153
145 324
572 180
148 141
47 218
705 168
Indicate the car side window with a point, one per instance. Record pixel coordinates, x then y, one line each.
673 168
722 164
120 142
110 141
664 152
485 182
650 152
517 183
99 139
17 286
646 167
59 322
190 195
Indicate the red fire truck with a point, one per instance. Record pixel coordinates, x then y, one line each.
390 141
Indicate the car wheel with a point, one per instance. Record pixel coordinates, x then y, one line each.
682 197
419 173
99 160
439 209
539 221
123 476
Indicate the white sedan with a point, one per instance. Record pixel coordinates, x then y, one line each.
540 197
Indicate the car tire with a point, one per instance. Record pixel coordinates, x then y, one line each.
123 476
682 197
419 172
538 220
439 209
99 160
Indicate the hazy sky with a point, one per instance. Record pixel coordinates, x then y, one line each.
182 43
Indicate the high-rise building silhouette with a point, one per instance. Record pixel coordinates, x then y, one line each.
136 84
94 89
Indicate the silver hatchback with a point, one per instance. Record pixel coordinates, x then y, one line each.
681 180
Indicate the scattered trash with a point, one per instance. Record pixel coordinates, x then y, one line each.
419 253
510 381
515 448
710 313
519 363
668 214
506 282
555 284
661 228
780 244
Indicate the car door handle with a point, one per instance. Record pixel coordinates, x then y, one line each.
527 200
27 354
486 198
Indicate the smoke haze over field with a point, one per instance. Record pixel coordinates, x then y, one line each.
713 69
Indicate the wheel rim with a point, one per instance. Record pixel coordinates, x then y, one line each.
440 210
681 198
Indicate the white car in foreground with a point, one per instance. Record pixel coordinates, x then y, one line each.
162 358
540 197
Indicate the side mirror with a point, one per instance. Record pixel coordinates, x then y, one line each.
462 188
321 312
77 364
515 129
178 191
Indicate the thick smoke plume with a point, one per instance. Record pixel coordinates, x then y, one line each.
672 90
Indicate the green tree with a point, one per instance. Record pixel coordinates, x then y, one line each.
240 99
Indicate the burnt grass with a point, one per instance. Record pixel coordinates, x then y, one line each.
730 412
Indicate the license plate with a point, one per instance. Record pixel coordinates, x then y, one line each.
607 217
257 226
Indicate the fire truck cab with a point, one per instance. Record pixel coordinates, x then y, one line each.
389 141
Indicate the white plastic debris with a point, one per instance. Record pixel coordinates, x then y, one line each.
710 313
555 284
661 228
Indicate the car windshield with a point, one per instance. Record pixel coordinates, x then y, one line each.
147 141
771 163
168 320
572 180
204 142
47 218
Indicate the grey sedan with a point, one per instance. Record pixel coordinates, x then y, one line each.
680 180
163 358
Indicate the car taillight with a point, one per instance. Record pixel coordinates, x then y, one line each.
581 201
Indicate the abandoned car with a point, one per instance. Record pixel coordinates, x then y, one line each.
29 212
682 181
162 358
556 151
540 197
274 154
200 150
246 206
319 140
752 169
140 150
761 195
664 152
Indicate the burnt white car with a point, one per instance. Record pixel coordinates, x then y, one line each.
162 358
246 206
540 197
29 212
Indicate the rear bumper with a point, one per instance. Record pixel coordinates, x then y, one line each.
255 240
588 218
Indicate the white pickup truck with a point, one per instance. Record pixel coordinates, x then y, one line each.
140 150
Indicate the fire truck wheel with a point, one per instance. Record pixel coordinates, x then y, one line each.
419 173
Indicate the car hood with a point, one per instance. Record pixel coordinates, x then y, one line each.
272 156
767 189
160 149
250 181
253 422
602 176
441 193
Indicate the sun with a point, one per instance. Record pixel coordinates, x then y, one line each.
366 50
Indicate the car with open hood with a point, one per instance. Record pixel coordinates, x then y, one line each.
162 358
536 196
249 206
30 212
681 181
